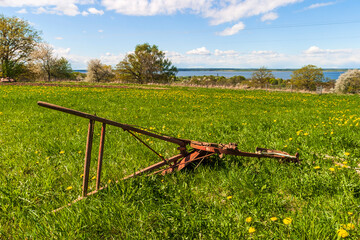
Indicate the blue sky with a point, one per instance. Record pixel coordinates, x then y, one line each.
201 33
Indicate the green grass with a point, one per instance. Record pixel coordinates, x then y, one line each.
42 154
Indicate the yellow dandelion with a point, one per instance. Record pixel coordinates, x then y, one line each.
349 226
229 197
347 154
69 188
81 175
317 167
305 134
287 221
47 158
62 152
252 230
332 169
290 139
342 233
79 152
274 219
94 177
350 213
248 219
274 120
37 162
109 181
345 163
36 152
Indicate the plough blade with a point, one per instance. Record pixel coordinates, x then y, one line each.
190 150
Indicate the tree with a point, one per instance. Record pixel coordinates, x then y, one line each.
261 76
146 64
51 65
307 77
348 82
17 41
43 54
96 71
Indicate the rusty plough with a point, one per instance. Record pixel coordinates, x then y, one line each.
189 150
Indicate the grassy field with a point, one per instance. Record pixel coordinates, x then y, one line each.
42 154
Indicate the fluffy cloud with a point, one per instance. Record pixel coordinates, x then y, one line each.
232 30
269 16
199 51
326 58
22 11
95 11
202 57
221 11
61 7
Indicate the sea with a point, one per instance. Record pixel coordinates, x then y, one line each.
284 74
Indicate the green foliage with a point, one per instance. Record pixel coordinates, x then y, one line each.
261 76
307 77
62 69
348 82
17 41
146 65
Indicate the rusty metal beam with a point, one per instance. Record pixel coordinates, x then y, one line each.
89 142
100 158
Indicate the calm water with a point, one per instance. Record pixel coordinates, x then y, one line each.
278 74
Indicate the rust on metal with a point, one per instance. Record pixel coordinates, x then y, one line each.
189 150
88 157
101 154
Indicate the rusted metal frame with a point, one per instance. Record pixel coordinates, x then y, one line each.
202 157
100 158
89 142
236 152
180 142
140 140
155 166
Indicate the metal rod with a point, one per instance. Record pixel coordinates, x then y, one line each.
100 158
180 142
88 157
139 139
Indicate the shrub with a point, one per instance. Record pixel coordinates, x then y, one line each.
348 82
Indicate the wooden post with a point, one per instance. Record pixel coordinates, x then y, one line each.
88 157
101 152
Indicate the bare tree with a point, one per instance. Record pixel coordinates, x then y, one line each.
96 71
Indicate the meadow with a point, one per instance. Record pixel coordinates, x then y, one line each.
42 157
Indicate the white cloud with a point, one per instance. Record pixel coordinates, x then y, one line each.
232 30
221 11
100 30
61 7
199 51
317 5
225 53
201 57
95 11
84 13
22 11
269 16
59 38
